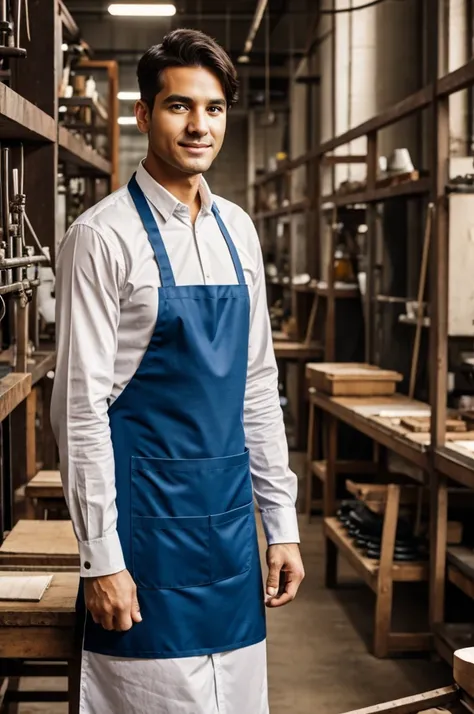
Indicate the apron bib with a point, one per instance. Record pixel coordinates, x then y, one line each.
184 493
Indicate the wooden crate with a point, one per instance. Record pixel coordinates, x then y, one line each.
352 379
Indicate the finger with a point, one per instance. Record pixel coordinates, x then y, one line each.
279 601
136 615
273 578
107 621
123 622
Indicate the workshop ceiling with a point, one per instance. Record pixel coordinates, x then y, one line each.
228 21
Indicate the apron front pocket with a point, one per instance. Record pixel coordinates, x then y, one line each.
232 542
171 552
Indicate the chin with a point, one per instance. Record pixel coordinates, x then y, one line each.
195 167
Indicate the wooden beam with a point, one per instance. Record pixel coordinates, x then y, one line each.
410 705
411 104
456 81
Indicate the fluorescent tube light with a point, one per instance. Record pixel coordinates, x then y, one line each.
127 121
142 10
128 96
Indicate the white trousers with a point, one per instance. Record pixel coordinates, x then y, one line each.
228 683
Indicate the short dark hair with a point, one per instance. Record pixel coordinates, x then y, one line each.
186 48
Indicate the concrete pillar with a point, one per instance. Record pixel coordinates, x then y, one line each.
458 55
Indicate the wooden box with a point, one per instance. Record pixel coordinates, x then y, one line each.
352 379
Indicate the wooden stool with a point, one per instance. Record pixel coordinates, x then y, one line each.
44 493
39 639
39 544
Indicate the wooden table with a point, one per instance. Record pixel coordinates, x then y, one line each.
47 544
362 414
39 632
44 493
298 353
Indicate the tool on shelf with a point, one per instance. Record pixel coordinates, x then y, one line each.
19 264
11 14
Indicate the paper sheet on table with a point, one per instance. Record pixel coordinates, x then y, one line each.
28 588
395 411
468 445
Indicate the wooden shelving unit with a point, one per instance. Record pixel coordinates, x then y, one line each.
74 151
20 120
29 115
438 459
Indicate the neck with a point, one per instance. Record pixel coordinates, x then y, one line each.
183 186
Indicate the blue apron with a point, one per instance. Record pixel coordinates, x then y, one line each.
184 494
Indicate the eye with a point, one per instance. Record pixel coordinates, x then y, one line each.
178 107
216 109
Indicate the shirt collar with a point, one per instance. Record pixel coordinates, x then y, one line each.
164 201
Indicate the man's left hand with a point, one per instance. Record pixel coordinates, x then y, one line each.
285 573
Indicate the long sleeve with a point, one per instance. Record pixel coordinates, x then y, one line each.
88 282
275 485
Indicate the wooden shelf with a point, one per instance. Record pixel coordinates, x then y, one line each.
347 468
408 188
413 321
40 365
74 150
298 207
451 637
455 465
339 293
14 388
298 351
22 121
367 568
461 568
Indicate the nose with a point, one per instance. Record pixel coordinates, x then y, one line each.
198 123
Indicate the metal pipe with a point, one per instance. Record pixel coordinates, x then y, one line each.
17 287
18 21
7 235
22 262
257 19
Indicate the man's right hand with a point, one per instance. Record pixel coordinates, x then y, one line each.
112 601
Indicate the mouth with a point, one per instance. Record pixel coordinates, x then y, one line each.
195 149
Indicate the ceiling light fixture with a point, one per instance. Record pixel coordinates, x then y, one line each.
142 10
243 59
64 47
127 121
128 96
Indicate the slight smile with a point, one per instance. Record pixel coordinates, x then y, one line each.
195 148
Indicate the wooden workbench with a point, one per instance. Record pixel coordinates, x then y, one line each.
40 543
355 411
42 631
44 493
363 414
298 353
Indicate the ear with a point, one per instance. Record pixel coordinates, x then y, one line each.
142 113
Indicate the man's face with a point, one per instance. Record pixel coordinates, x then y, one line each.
187 126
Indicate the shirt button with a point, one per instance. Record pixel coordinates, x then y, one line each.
87 565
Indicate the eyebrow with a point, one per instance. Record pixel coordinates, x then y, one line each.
181 99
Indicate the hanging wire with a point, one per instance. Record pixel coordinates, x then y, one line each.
3 308
372 3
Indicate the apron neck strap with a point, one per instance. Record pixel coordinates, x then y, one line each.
154 235
230 244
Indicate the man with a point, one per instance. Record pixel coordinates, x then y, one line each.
167 416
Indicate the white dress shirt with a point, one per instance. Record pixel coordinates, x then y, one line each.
106 309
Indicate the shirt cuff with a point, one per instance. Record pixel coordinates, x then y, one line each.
102 556
280 525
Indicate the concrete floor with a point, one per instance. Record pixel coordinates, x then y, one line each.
318 647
